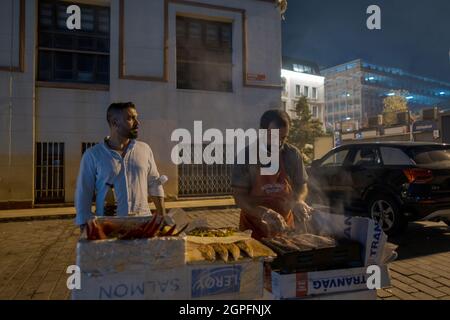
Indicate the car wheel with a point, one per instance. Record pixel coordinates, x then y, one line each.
386 212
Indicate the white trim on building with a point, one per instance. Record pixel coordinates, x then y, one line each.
298 84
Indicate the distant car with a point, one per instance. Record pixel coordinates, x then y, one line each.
391 182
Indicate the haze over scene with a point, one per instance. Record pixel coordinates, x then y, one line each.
414 35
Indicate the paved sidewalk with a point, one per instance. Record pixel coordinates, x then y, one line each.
34 256
422 271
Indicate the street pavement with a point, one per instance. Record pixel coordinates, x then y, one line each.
34 256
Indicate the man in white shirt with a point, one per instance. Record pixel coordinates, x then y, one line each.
121 163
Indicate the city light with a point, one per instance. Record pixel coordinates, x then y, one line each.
442 93
409 97
391 94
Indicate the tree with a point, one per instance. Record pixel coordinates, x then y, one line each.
392 105
304 129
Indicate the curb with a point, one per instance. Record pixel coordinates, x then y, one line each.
37 218
67 216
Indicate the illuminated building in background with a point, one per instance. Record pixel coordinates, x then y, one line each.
355 91
302 78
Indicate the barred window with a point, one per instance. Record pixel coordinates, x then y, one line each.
204 179
204 55
86 145
80 56
49 168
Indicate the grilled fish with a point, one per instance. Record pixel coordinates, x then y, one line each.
312 241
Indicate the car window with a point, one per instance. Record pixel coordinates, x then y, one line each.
431 155
366 156
395 156
336 159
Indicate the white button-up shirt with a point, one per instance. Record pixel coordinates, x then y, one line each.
133 176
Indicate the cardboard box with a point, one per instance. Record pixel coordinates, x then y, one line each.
145 284
130 255
241 280
368 233
130 269
363 230
305 284
157 269
352 295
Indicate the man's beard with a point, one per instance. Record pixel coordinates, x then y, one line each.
130 134
133 134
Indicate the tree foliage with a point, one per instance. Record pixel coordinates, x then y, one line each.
395 103
304 129
392 105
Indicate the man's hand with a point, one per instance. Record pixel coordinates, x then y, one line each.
302 211
273 222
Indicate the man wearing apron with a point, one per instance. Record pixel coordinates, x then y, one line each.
268 202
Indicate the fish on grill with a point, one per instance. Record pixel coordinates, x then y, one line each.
285 244
312 241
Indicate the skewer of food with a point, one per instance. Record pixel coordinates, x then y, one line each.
99 229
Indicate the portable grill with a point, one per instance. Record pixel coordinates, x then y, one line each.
345 254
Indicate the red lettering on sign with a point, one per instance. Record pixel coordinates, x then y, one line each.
256 77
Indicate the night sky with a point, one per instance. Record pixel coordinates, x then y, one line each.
414 35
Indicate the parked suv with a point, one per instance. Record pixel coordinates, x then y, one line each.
391 182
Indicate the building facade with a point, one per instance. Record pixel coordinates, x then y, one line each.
302 78
177 60
354 91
